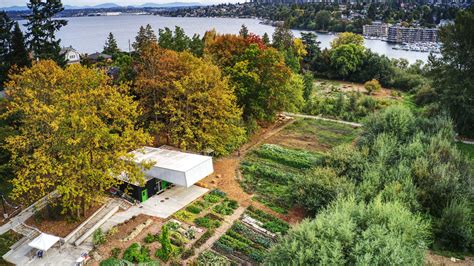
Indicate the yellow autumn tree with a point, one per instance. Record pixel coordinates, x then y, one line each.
75 132
187 100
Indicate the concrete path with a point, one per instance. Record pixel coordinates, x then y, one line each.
323 119
226 224
25 214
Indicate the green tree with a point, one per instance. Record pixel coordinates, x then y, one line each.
323 19
346 59
196 45
75 139
308 86
19 56
282 38
266 39
452 73
41 29
355 233
244 31
145 36
111 46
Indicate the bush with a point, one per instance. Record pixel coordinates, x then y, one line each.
218 193
98 237
166 250
173 225
193 209
455 227
137 254
372 85
351 233
115 252
190 233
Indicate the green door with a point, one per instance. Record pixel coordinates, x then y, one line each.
144 195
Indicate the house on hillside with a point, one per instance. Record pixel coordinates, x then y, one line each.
98 57
170 167
71 55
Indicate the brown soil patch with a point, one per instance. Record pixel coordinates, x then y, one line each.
433 259
357 87
124 229
61 227
297 141
226 174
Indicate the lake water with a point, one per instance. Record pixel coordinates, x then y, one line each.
88 34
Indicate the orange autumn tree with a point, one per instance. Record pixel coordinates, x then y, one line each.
74 131
187 99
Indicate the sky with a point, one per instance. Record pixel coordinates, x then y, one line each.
6 3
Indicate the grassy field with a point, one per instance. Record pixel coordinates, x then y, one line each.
269 171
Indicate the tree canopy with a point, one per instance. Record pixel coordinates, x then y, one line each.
75 131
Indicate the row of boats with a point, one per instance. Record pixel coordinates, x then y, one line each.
425 47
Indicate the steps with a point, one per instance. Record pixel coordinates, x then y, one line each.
27 231
88 227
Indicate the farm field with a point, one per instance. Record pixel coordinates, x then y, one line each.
269 171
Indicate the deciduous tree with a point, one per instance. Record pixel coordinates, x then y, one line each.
75 132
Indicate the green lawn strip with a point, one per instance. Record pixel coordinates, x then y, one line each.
468 151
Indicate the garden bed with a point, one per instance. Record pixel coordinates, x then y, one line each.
6 241
245 242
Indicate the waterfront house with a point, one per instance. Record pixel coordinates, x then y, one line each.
71 55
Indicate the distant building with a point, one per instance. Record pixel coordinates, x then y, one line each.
71 55
376 29
398 34
95 57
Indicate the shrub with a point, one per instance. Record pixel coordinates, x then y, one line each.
115 252
190 233
372 85
112 231
177 239
166 250
455 227
98 237
137 254
193 209
173 225
218 192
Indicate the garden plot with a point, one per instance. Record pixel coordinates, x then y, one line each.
248 240
314 135
269 171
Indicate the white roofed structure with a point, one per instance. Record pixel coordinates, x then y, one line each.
179 168
44 242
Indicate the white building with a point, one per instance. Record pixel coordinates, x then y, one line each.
71 55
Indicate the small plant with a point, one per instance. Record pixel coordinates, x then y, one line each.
207 222
137 254
188 253
115 252
193 209
208 234
218 193
98 237
166 250
212 198
190 233
149 238
173 226
112 231
372 85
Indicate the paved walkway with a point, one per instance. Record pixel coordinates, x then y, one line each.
226 224
323 119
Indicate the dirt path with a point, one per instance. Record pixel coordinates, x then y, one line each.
226 174
226 224
324 119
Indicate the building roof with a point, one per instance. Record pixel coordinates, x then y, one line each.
67 49
97 56
169 159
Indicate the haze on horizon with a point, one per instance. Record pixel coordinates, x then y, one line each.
7 3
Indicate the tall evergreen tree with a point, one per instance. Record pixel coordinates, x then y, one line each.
111 47
6 25
42 28
266 39
244 31
145 36
19 54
